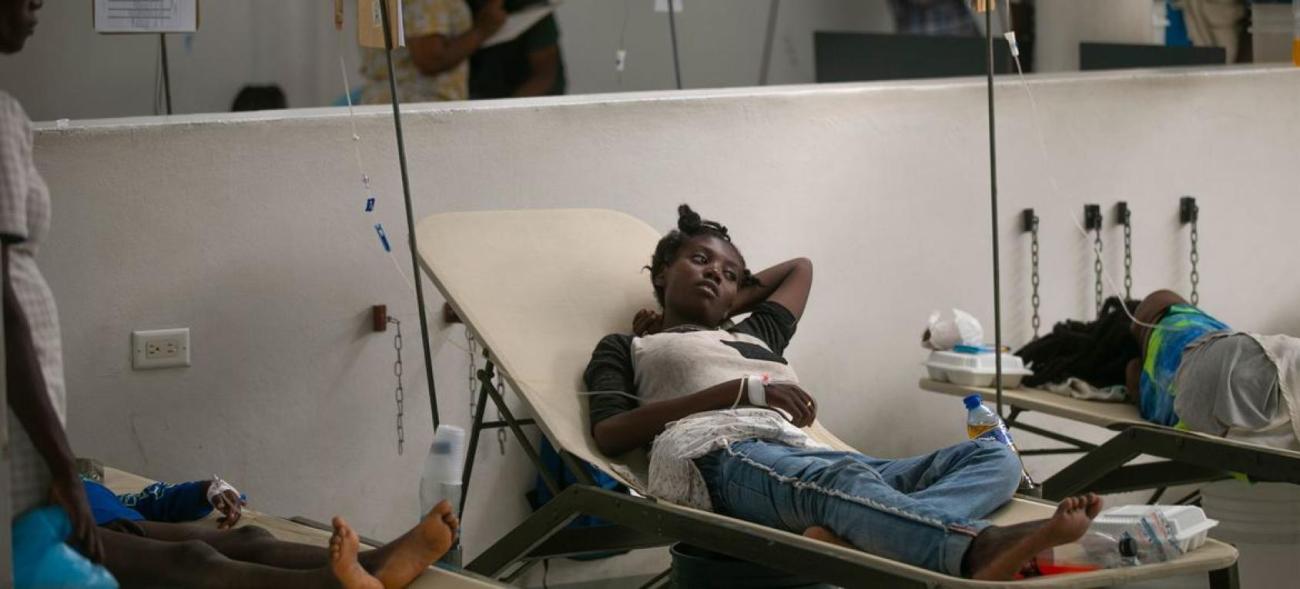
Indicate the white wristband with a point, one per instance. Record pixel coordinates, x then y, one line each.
217 487
756 386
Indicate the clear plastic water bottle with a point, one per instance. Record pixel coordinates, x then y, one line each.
441 479
982 422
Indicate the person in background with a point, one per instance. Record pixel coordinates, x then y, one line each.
529 65
250 97
42 468
164 503
1181 367
440 37
1217 23
149 543
934 17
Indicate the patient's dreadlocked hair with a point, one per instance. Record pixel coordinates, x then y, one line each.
689 224
1096 351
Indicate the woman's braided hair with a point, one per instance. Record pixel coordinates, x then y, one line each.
690 225
1097 352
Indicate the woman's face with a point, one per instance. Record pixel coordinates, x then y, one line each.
701 282
17 22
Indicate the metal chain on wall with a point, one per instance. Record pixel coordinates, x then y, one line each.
501 431
1034 299
475 384
399 394
1097 269
471 346
1128 254
1196 258
1189 214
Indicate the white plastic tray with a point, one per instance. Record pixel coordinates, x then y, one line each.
975 370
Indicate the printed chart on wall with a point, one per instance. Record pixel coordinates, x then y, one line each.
370 24
146 16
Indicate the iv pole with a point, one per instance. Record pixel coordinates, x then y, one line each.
993 199
410 214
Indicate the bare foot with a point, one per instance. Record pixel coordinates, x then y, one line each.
344 545
406 557
997 554
825 535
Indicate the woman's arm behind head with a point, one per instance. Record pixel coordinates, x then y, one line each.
788 284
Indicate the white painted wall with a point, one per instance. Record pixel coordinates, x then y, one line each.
69 71
720 41
248 230
1063 24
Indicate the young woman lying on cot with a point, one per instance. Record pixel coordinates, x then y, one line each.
722 411
1182 368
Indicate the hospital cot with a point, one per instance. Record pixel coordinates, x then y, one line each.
120 482
538 289
1189 457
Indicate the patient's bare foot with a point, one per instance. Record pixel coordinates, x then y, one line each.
405 558
344 545
825 535
998 553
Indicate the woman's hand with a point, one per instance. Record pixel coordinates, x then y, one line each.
69 493
647 322
796 402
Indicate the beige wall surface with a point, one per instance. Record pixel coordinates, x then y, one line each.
249 230
69 71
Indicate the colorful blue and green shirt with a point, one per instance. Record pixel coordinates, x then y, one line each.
1180 326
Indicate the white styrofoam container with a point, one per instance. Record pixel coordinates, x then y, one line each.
1189 522
975 370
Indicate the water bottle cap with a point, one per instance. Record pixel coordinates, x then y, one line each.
974 400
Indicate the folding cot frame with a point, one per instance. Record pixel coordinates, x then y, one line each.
493 267
1189 457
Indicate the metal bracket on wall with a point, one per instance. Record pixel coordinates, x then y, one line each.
1188 212
1122 212
1027 220
1091 217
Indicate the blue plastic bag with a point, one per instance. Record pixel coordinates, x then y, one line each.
43 561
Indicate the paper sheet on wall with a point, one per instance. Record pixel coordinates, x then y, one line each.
146 16
370 25
518 23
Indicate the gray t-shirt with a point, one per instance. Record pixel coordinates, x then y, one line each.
1229 385
678 363
681 362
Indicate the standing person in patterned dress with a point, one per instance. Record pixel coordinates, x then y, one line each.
440 37
43 468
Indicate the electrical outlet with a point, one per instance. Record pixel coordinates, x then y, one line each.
160 348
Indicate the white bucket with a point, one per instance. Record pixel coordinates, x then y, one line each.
1263 521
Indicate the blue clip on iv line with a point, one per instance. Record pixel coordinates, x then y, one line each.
370 204
383 237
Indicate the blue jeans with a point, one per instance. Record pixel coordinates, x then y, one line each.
924 510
